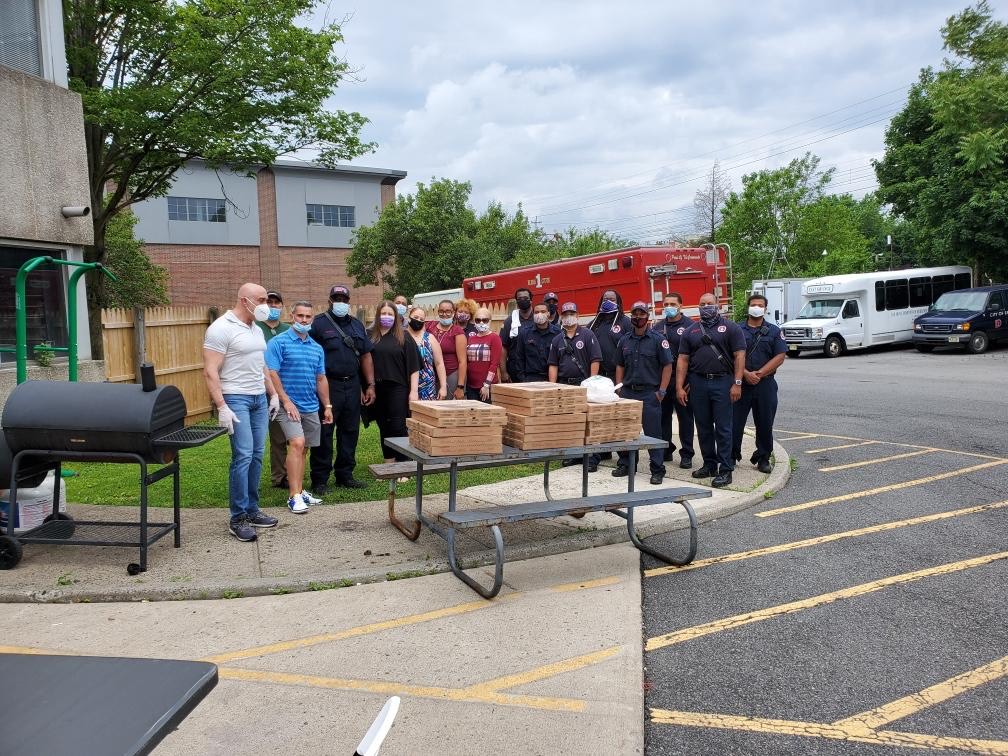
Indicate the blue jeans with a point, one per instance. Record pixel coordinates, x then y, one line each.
247 445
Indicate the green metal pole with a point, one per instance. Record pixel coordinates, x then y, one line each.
21 312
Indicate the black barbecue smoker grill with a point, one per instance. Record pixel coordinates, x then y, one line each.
48 422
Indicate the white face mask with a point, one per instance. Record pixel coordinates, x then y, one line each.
260 312
756 311
541 318
482 327
569 320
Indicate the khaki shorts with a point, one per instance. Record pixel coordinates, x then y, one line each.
310 428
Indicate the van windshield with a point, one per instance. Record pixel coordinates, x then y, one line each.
820 308
962 301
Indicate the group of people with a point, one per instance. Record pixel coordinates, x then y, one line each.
308 383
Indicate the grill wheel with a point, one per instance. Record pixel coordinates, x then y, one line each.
10 552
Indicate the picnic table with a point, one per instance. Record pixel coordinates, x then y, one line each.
446 524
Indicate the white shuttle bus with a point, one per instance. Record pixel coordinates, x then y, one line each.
866 309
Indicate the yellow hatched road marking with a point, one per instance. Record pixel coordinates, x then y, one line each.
877 461
544 672
353 632
880 489
730 623
797 436
891 443
831 732
904 707
739 556
842 446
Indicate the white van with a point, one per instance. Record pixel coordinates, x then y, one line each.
867 309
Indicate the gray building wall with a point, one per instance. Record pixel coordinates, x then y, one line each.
197 180
43 162
296 188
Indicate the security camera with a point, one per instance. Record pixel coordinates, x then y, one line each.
76 211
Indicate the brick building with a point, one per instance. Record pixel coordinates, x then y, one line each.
288 227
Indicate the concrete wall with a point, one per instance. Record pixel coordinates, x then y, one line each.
88 371
196 180
43 163
296 188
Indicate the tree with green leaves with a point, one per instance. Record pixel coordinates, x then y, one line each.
139 282
945 169
433 239
233 82
573 242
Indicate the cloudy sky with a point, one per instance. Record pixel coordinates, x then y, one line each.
609 114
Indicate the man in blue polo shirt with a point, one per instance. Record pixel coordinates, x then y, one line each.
296 366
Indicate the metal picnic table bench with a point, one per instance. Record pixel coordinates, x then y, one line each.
447 523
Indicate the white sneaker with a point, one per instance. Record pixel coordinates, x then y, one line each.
297 505
308 499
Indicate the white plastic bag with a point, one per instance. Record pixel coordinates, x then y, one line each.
600 390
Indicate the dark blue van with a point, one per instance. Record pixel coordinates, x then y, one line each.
972 318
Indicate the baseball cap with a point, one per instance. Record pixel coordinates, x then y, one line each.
274 295
550 295
339 290
568 307
639 306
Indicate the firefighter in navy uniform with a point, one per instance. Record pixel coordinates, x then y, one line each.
765 352
644 367
672 326
609 325
574 355
350 372
532 347
712 359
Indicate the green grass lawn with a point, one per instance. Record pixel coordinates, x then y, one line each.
204 473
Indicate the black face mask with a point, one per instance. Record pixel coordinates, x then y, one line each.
524 304
639 322
552 308
416 325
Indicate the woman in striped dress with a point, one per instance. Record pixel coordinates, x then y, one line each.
432 383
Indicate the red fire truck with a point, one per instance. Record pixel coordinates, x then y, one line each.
636 273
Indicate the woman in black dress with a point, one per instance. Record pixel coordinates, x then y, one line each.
396 373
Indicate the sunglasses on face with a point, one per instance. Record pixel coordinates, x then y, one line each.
482 320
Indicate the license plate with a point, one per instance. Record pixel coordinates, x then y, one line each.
794 347
953 339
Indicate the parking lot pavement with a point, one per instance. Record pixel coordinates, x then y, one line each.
552 666
861 610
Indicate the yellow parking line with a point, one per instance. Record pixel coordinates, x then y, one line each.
353 632
831 732
842 446
904 707
32 651
797 436
780 548
877 461
739 620
544 672
394 688
896 443
880 489
599 583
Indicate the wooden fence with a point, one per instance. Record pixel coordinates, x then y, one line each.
173 340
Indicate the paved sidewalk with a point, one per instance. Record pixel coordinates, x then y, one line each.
341 545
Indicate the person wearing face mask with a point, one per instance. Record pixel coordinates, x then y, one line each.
765 352
465 311
296 366
644 367
672 326
521 316
432 382
396 374
532 347
401 306
574 355
245 399
712 359
483 356
609 325
552 302
271 327
350 372
452 341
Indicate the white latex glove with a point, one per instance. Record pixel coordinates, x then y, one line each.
274 406
226 418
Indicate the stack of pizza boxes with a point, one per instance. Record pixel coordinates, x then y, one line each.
542 415
455 428
613 421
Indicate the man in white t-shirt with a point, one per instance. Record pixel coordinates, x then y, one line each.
236 378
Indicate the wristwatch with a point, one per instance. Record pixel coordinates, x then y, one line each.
661 392
738 381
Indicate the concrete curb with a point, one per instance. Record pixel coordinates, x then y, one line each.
577 540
